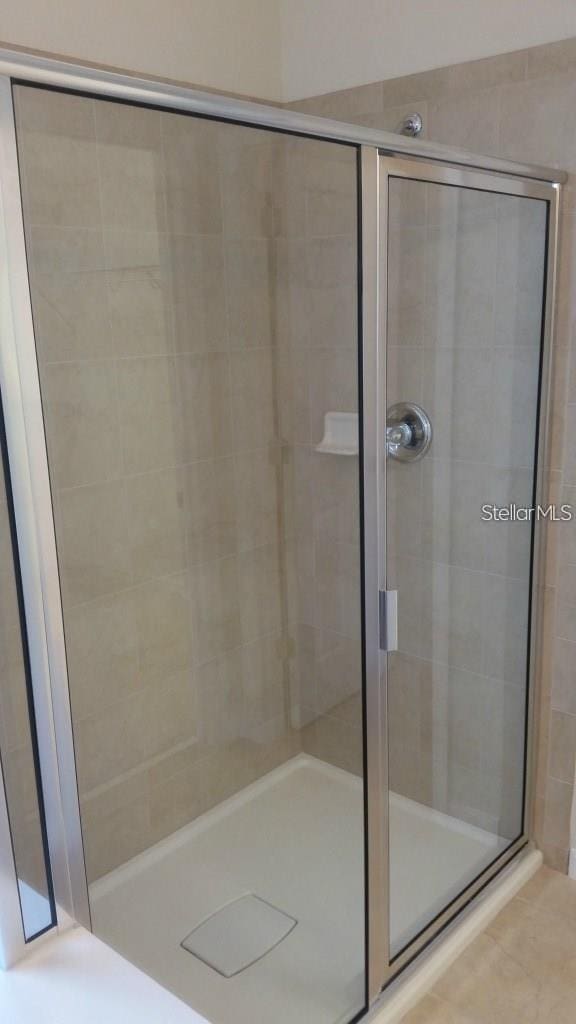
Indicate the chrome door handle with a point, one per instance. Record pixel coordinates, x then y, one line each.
388 609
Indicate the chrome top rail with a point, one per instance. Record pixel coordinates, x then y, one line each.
67 74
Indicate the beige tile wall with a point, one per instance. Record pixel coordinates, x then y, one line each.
163 253
520 106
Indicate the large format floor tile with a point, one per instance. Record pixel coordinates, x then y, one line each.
521 970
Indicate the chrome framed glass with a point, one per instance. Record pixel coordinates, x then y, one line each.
382 157
544 196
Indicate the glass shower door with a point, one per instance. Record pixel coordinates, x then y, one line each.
465 286
194 290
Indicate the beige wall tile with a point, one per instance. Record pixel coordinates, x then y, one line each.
564 540
477 74
293 371
54 249
457 390
215 608
102 651
334 741
120 738
264 681
253 402
469 121
527 129
256 511
139 311
557 813
197 297
452 494
161 608
566 619
331 306
505 628
62 181
130 167
259 592
249 276
550 58
221 700
562 746
329 672
508 543
115 823
333 386
133 248
118 837
81 407
337 587
192 174
93 534
248 166
156 509
205 395
452 619
178 801
563 690
555 857
150 413
210 519
70 115
71 316
514 386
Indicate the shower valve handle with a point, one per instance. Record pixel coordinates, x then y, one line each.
408 432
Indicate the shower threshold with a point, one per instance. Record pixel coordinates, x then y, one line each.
294 838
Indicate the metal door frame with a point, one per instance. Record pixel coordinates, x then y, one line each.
374 349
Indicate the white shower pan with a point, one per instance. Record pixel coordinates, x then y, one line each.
292 840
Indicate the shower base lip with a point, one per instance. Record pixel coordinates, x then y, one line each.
416 980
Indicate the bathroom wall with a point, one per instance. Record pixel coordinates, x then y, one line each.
232 45
521 106
336 44
163 251
281 50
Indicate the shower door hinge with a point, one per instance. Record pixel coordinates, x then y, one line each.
388 601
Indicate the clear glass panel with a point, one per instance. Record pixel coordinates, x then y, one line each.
18 750
465 284
195 306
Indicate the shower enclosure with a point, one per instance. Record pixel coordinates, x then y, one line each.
268 380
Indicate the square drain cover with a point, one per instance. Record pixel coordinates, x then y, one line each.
238 934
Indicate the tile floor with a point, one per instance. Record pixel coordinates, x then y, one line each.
521 970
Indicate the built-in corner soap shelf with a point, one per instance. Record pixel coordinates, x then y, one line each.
340 434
